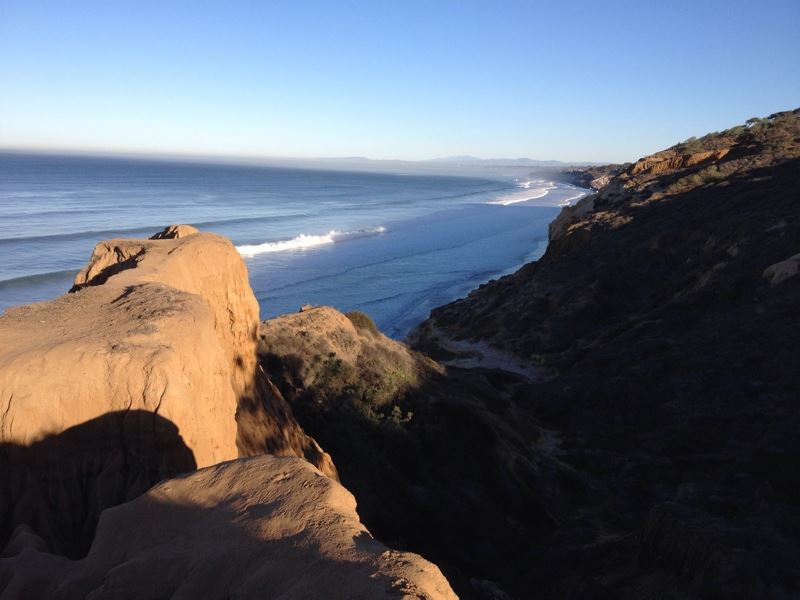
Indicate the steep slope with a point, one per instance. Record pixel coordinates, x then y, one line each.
670 225
155 347
261 527
664 311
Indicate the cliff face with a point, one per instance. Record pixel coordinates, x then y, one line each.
676 225
155 347
251 528
664 314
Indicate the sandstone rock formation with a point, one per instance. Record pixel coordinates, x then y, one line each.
670 160
164 327
174 232
569 215
261 527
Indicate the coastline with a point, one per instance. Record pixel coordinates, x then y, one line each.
478 242
281 242
541 414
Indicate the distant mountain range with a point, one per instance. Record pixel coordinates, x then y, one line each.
466 159
462 165
498 162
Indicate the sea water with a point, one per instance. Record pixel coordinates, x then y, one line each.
391 245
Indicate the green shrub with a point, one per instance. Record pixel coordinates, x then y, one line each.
362 322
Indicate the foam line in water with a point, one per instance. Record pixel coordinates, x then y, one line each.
304 241
528 192
568 201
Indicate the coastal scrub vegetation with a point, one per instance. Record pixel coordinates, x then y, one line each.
337 362
762 139
757 143
370 387
362 322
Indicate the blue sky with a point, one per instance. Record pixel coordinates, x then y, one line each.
601 81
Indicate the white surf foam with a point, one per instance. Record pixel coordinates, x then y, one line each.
528 192
304 241
568 201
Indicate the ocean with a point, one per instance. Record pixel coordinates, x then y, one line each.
392 245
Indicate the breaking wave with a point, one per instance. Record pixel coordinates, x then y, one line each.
531 190
304 241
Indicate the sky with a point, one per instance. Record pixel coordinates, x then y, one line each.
566 80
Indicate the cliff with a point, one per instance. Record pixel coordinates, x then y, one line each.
662 318
712 212
149 367
147 371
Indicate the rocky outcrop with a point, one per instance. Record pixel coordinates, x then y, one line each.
172 232
161 334
670 160
570 215
251 528
165 328
783 270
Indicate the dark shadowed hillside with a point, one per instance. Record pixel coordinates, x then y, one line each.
440 462
654 455
666 311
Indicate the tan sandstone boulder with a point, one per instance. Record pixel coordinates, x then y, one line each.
261 527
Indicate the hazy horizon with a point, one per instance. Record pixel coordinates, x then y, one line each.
315 81
258 159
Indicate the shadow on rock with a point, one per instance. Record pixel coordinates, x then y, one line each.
248 528
59 485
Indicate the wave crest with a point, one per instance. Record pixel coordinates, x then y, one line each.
303 241
529 192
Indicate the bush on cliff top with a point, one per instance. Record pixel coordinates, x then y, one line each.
362 321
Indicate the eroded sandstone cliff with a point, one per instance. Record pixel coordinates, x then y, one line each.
155 348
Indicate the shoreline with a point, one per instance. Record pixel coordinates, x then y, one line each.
286 251
515 236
